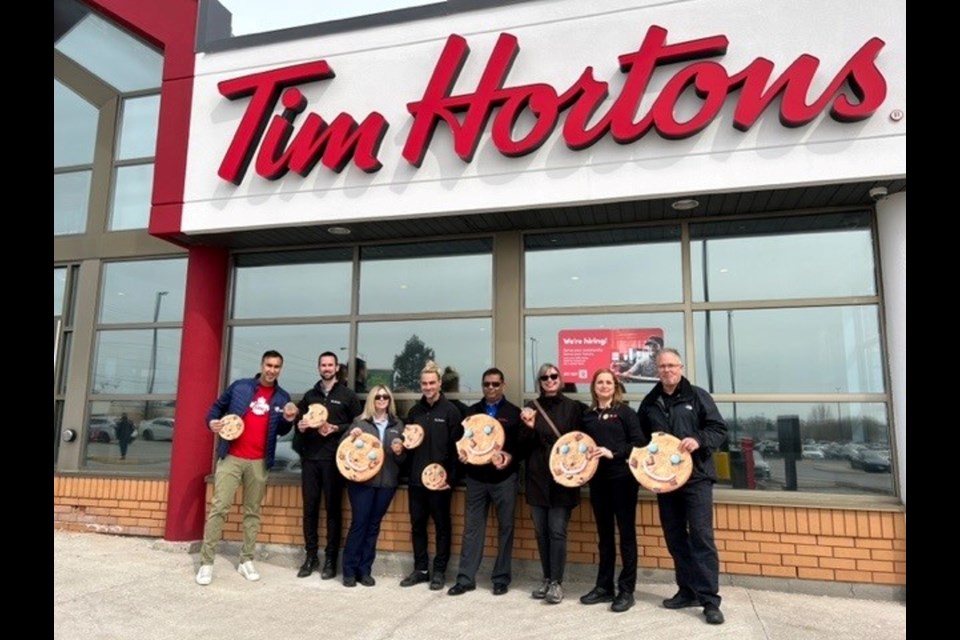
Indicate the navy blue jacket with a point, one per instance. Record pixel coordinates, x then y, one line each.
236 399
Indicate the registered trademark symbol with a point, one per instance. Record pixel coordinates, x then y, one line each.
896 115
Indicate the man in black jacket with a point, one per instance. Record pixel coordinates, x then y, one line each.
318 448
677 407
495 482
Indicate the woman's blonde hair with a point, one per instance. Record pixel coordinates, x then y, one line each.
370 407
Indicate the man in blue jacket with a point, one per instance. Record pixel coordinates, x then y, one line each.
679 408
267 413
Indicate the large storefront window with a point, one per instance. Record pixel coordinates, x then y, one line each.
782 309
135 366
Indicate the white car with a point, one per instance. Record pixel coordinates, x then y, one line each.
812 452
157 429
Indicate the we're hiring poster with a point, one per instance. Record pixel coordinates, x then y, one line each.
629 353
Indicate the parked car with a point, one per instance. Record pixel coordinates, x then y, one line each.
104 429
285 458
870 460
811 452
157 429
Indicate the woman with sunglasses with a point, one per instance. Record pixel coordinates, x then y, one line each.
369 500
615 428
546 418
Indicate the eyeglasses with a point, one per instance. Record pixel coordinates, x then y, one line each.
494 385
669 366
549 376
381 396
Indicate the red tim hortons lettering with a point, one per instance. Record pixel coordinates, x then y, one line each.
333 144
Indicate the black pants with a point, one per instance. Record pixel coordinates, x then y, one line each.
480 495
368 505
320 477
687 519
550 524
616 500
424 505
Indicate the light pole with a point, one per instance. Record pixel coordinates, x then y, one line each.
533 361
153 346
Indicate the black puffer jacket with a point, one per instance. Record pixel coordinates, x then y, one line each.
689 413
541 490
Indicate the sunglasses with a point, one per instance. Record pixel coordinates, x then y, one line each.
494 385
549 376
381 396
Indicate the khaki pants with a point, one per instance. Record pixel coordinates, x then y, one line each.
231 472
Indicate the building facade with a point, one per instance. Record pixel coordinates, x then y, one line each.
492 183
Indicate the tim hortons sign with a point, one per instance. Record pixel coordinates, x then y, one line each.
291 141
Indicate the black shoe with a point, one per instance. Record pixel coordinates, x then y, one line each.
329 569
415 578
349 582
309 566
367 581
598 595
437 581
458 589
500 589
622 602
680 600
713 614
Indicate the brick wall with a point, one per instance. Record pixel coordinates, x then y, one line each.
843 545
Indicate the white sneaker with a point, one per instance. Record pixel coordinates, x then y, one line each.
205 575
248 571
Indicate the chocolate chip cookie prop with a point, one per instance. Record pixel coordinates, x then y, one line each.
231 426
660 466
315 416
434 477
360 458
570 462
412 436
483 438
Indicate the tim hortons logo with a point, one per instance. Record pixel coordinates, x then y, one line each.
281 144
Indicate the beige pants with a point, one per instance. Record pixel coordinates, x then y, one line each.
231 473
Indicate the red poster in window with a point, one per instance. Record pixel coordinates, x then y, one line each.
630 353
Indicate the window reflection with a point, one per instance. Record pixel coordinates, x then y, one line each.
138 127
806 350
843 448
71 196
130 207
299 344
778 258
608 267
143 291
293 284
149 434
74 127
395 352
417 278
138 361
617 342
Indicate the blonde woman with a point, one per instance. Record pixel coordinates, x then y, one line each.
370 500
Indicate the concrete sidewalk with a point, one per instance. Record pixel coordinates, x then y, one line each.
109 587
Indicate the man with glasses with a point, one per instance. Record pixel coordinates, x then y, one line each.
679 408
490 483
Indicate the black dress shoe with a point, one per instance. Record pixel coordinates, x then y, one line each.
598 595
367 581
713 614
309 566
437 581
500 589
622 602
349 582
680 601
415 578
329 569
459 589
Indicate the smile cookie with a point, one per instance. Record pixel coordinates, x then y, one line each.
434 477
412 435
483 437
569 461
231 426
359 459
315 416
660 466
